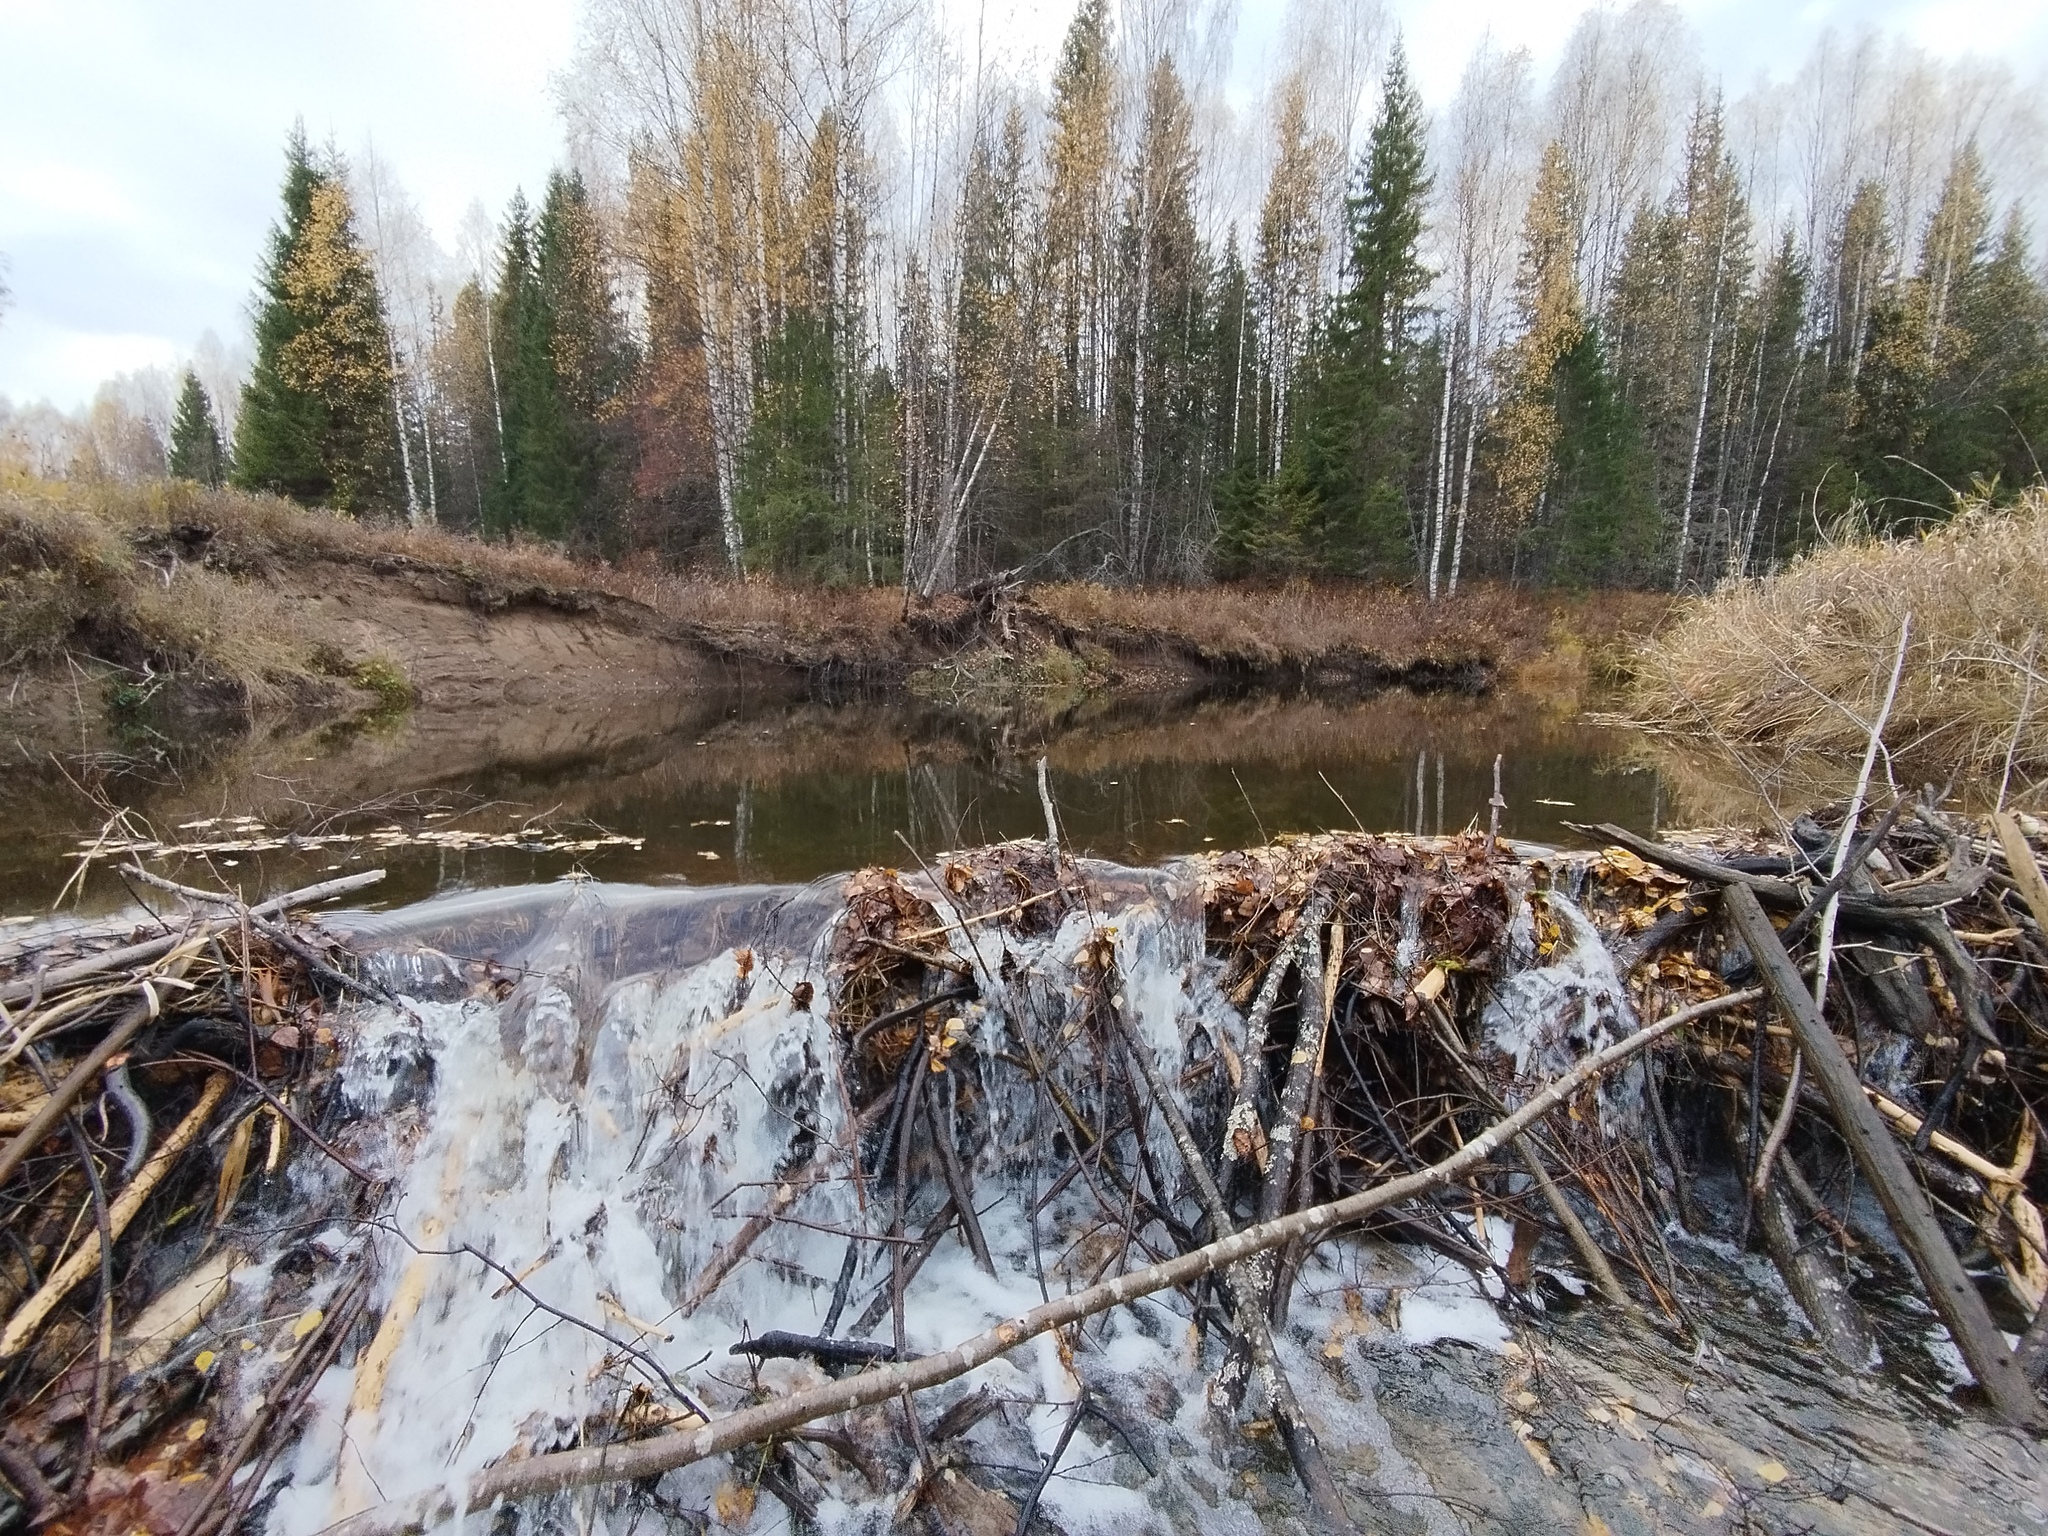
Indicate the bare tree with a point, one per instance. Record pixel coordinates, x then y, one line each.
1616 102
1486 141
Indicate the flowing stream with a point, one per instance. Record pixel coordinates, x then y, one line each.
611 1060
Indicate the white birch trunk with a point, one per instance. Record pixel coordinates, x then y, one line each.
1439 504
1464 488
497 400
412 495
1699 426
1134 532
427 447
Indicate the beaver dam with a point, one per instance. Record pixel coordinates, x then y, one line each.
1388 1182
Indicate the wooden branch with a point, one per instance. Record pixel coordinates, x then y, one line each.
551 1473
2026 869
23 1325
1881 909
1877 1154
1247 1298
1602 1272
155 949
52 1108
781 1345
1243 1133
957 1182
1768 888
726 1258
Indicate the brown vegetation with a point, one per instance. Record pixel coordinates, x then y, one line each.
277 608
1301 626
1787 672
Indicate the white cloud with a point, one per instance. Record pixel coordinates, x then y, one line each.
72 363
140 143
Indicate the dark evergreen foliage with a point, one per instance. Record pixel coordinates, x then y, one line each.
317 422
197 452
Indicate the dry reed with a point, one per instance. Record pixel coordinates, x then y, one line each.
1790 668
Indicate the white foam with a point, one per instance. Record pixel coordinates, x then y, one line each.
623 1132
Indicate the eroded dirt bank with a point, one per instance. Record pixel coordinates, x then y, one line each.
131 615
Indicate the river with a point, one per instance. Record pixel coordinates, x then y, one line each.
736 787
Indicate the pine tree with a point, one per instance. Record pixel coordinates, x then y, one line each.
316 421
196 450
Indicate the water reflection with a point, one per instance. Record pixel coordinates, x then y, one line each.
741 788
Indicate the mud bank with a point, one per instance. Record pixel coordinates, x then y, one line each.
131 614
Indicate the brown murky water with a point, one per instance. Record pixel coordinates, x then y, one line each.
731 788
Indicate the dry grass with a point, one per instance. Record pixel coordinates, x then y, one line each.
75 555
69 572
1790 670
1300 624
79 557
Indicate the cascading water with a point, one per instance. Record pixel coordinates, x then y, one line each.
602 1107
632 1102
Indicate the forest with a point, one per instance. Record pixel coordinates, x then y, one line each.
820 291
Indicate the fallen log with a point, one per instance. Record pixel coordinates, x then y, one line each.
1948 1288
556 1471
45 982
1879 908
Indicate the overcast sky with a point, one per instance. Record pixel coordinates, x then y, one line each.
141 141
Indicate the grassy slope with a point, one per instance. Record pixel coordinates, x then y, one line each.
172 577
1787 672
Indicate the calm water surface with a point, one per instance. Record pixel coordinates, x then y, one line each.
733 788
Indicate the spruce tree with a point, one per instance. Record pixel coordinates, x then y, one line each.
588 351
1368 439
1384 271
1601 528
534 492
562 363
196 450
316 421
1913 423
2006 315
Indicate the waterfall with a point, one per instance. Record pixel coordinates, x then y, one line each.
598 1088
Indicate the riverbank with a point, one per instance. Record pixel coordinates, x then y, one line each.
168 609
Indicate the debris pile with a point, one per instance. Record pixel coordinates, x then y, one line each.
152 1077
1010 1190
